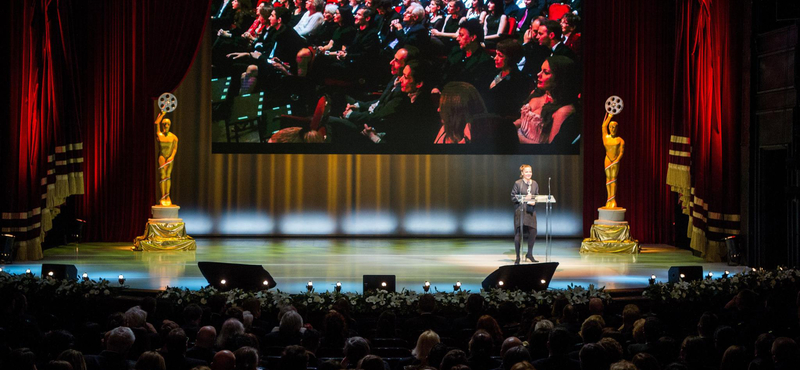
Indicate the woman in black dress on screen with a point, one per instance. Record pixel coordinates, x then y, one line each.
528 188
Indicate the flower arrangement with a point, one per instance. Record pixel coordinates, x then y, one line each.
403 302
704 290
51 288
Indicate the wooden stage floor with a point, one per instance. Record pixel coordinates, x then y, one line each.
293 262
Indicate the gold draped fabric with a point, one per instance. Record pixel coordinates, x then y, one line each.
164 237
610 239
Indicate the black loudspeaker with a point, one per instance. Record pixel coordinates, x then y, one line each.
7 248
535 276
234 275
69 272
690 273
382 282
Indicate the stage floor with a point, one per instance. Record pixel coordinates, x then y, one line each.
293 262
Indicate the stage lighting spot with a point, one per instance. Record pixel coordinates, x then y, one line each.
369 223
437 222
246 224
317 223
488 223
197 223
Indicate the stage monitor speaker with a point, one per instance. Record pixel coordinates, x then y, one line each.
382 282
690 273
69 272
527 277
246 277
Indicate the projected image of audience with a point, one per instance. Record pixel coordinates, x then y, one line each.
397 77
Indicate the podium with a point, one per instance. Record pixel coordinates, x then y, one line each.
164 232
610 233
548 201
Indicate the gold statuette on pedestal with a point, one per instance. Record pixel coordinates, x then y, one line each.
615 147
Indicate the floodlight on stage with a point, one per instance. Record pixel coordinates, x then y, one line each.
457 286
338 287
1 269
683 276
710 275
725 275
427 286
223 282
28 271
383 284
310 286
85 276
500 284
652 279
121 279
50 274
266 283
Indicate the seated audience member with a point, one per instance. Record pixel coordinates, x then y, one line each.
495 24
334 332
510 343
223 360
372 362
593 357
476 9
612 348
192 314
622 365
175 356
524 365
469 62
763 352
449 32
459 103
481 349
392 89
23 359
150 360
343 33
230 329
435 19
491 326
693 353
312 19
203 348
412 31
453 358
526 15
425 342
145 333
75 359
533 53
240 38
355 348
514 356
474 307
644 361
118 342
785 354
506 93
246 358
294 358
386 327
325 31
559 344
550 116
241 17
734 358
357 59
386 15
288 334
549 35
572 38
426 319
630 314
296 12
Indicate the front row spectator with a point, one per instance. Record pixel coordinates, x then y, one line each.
118 342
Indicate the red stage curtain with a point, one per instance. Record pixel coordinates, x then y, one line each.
90 66
629 48
704 154
42 148
135 50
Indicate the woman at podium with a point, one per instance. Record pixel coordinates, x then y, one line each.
523 195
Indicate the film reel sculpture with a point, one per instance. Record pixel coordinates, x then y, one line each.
614 146
167 102
167 146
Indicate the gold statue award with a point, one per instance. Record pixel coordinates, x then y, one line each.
615 147
167 146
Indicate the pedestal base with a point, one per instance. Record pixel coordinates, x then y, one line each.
611 217
610 234
165 232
